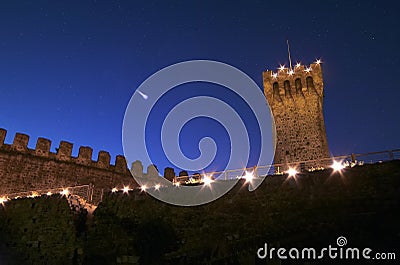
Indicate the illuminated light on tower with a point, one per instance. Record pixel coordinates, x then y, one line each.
298 65
281 67
143 188
318 61
126 189
292 172
307 70
114 190
248 176
291 72
65 192
337 166
3 200
49 193
157 187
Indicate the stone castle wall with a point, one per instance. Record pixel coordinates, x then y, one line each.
296 101
23 169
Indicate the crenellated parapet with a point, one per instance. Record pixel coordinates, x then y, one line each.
43 147
23 169
299 82
63 153
85 155
120 164
20 142
3 134
103 159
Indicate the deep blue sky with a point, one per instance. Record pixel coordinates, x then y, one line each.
68 69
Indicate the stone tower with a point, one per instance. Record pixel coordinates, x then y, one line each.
296 98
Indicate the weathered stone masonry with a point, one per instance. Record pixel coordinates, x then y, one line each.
23 169
296 100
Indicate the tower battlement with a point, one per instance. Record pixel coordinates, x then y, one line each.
23 169
64 152
290 83
295 96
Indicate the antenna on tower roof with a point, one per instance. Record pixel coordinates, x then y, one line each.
288 50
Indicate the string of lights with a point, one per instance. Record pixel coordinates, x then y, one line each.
289 71
207 180
338 165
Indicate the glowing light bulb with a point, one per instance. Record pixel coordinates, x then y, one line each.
143 188
3 200
248 176
318 61
157 187
291 72
49 193
292 172
275 75
114 190
307 69
298 65
65 192
126 189
207 180
337 166
281 67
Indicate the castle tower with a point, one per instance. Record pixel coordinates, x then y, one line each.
296 98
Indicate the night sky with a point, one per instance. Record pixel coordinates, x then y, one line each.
68 69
